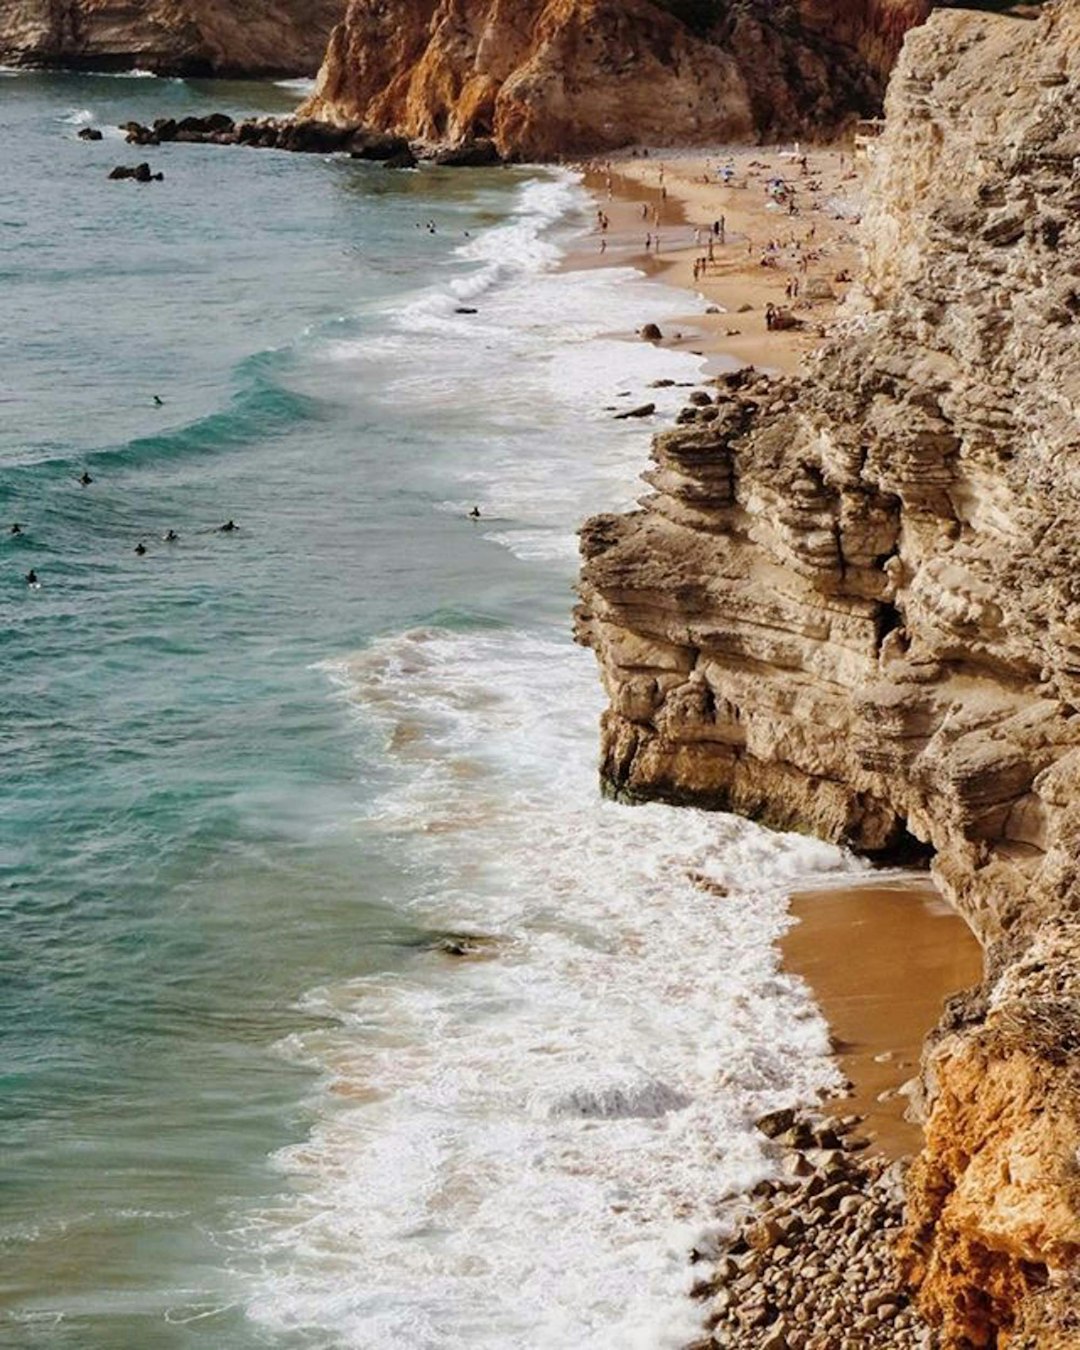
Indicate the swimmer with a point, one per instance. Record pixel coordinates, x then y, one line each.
140 548
170 536
31 578
158 401
228 527
16 528
85 479
474 514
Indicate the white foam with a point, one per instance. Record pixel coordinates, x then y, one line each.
521 1151
78 117
301 87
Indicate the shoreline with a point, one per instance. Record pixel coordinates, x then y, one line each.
878 1022
914 951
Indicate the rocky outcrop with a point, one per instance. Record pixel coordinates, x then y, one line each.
850 605
169 37
547 78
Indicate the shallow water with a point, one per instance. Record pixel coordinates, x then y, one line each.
251 779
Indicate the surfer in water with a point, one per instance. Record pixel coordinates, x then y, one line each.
31 578
140 548
474 514
85 479
159 402
228 527
170 536
16 528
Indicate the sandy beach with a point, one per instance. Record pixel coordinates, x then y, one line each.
745 229
881 960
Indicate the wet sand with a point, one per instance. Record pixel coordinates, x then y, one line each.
881 960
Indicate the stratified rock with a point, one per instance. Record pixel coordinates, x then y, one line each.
170 37
543 78
850 605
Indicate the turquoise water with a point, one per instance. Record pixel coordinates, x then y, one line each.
249 778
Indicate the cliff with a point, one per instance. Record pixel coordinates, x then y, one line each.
850 605
547 78
170 37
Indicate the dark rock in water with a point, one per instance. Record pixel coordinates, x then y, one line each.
464 944
379 145
137 134
464 309
90 134
140 173
471 154
314 138
775 1123
645 410
661 384
700 399
406 160
651 333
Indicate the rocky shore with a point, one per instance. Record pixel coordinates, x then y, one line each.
811 1261
847 605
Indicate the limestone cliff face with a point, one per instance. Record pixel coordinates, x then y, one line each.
851 605
179 37
553 77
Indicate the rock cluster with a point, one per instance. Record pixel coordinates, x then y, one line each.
811 1264
309 136
547 78
849 605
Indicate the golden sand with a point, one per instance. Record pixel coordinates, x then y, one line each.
881 960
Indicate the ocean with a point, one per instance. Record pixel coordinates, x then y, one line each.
337 1007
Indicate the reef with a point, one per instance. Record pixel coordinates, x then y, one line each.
169 37
550 78
849 605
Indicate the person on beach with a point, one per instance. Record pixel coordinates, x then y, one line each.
648 242
644 210
603 245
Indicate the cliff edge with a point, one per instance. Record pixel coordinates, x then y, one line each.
547 78
850 605
169 37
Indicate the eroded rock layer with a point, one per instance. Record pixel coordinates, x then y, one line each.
851 605
175 37
554 77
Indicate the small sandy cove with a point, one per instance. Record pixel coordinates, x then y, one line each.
745 228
